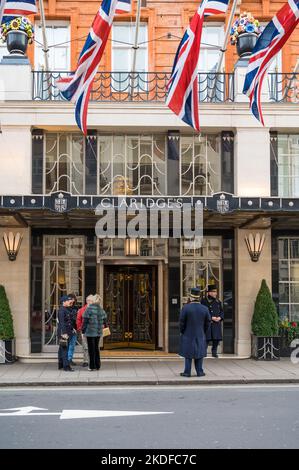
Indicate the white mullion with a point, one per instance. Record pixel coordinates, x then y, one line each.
57 162
85 143
193 166
69 152
98 166
126 163
44 162
206 166
138 164
289 276
152 163
112 164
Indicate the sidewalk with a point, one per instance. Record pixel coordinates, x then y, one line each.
152 372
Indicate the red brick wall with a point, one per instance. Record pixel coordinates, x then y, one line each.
163 16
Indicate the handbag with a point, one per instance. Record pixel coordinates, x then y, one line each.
63 342
106 331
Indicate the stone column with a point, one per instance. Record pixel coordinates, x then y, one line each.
252 162
15 277
15 79
15 160
248 280
240 72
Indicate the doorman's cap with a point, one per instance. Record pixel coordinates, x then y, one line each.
65 298
211 287
195 293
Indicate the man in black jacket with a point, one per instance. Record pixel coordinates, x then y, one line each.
64 330
214 305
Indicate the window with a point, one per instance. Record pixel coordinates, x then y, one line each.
122 57
132 164
209 84
212 40
115 164
200 266
59 56
289 278
200 165
64 163
285 152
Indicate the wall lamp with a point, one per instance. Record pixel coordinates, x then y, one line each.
12 243
255 243
132 247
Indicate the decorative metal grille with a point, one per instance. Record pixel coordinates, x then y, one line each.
200 165
64 163
63 274
285 151
283 87
132 165
138 86
154 248
289 278
200 266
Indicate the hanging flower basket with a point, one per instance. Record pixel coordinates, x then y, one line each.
244 33
17 34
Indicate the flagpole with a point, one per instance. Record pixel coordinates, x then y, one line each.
135 47
45 43
223 50
2 4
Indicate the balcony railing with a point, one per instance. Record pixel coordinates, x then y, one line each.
283 87
151 87
136 87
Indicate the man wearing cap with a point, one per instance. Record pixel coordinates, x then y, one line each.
194 322
214 305
65 330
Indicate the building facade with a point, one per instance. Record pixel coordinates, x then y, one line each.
52 180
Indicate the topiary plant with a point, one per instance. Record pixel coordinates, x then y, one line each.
265 318
6 321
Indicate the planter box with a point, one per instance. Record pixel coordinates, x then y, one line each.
7 351
265 348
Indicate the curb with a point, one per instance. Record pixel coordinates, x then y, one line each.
105 383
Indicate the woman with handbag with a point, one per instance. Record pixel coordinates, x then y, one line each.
64 332
94 318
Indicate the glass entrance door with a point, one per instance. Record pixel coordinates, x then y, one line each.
63 273
130 302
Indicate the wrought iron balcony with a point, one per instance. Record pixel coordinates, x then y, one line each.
135 87
283 87
152 87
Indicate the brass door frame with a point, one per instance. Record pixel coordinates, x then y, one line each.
128 298
162 289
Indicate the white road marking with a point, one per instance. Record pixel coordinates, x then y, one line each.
77 414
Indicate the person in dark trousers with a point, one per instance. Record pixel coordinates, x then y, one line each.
94 318
194 322
65 330
83 338
214 305
73 340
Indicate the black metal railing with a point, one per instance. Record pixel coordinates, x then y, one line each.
137 87
283 87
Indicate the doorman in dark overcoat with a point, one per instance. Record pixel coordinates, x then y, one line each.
194 322
214 305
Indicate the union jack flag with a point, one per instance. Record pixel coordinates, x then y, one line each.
123 6
271 41
77 87
183 84
13 8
